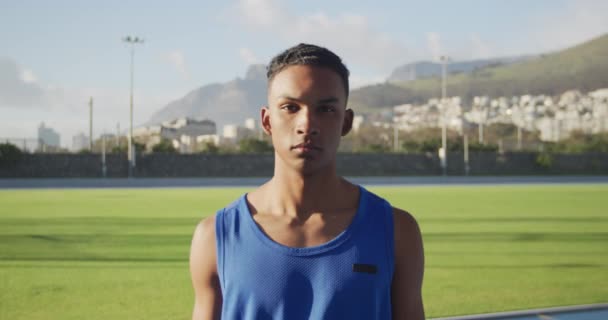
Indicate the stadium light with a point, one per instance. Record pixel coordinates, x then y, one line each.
132 41
444 158
91 124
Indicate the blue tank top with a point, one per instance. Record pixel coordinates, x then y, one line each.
348 277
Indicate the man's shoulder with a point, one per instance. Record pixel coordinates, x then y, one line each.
205 231
404 220
374 199
202 249
206 226
408 238
405 226
231 207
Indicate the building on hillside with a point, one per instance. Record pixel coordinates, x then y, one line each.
250 124
233 133
410 117
358 121
80 142
47 137
184 133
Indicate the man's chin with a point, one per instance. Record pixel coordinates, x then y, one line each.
306 157
308 166
310 154
305 164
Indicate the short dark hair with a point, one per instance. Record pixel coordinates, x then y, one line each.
309 55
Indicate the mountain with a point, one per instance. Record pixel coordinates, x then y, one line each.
224 103
582 67
427 69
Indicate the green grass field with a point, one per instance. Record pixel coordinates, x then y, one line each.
123 253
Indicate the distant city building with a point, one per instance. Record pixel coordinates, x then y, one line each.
358 121
230 131
191 126
210 138
554 117
409 117
184 133
234 133
80 142
250 123
47 137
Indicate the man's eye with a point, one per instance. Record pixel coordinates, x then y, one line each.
327 109
290 107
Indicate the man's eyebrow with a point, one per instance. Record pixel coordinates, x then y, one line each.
287 98
321 101
328 100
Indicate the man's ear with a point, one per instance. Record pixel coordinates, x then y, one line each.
348 121
265 116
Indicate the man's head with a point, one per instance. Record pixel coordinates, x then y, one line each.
308 55
306 113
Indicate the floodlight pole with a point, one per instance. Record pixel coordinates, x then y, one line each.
510 113
91 124
118 134
132 41
444 159
395 136
519 137
467 168
481 120
103 155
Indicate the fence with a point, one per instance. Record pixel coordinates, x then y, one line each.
260 165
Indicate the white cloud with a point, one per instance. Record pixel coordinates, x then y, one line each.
176 59
27 76
19 87
67 112
261 12
570 25
248 56
66 109
349 35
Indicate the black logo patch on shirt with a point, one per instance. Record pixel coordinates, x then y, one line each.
365 268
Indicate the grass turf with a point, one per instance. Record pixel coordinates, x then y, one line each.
122 253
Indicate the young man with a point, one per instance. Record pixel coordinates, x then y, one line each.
307 244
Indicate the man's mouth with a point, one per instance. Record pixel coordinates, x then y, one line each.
306 147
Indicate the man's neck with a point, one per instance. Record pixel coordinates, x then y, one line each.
298 195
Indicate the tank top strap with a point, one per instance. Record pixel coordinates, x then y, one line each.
379 219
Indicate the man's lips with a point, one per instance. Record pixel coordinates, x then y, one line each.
306 146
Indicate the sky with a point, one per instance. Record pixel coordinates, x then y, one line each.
55 55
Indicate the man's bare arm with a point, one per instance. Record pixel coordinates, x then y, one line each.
203 269
406 289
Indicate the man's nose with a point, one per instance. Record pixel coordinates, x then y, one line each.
307 123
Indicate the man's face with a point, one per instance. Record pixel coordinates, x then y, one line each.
306 116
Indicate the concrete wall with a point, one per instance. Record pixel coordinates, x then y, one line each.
202 165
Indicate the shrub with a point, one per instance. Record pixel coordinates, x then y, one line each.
164 146
210 147
9 154
544 160
252 145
